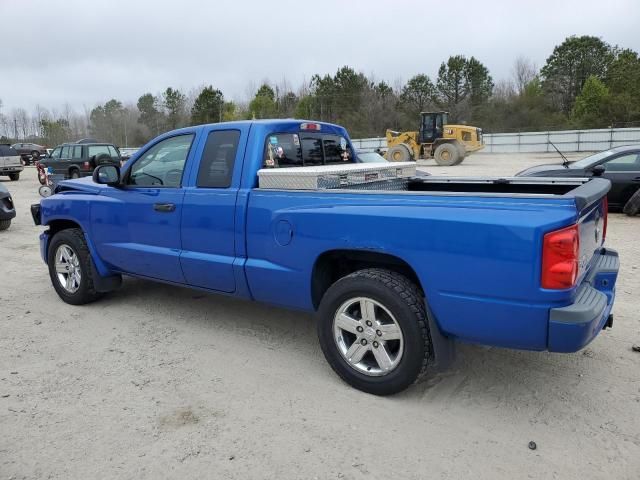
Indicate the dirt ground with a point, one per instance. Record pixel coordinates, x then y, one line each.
160 382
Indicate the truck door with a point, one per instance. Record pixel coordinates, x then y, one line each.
208 219
61 164
137 229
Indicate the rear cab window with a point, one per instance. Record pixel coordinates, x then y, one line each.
306 149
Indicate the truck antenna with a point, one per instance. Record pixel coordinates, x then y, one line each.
565 160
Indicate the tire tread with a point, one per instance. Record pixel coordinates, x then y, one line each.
411 295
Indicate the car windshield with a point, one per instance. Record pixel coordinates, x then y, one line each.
371 157
591 159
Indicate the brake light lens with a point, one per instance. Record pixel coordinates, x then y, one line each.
310 126
86 166
560 253
605 213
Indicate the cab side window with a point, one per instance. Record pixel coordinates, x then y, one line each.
56 153
218 159
163 164
97 150
625 163
77 152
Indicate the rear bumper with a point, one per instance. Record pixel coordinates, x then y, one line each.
11 169
574 326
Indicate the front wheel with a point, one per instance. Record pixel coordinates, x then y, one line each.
4 224
69 264
373 330
399 153
447 155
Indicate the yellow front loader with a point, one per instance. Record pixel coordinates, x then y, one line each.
447 144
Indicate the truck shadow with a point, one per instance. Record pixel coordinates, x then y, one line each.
480 376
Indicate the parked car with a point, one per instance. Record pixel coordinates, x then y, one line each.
370 157
10 162
620 165
396 267
30 152
74 160
7 209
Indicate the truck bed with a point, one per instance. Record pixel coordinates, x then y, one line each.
400 178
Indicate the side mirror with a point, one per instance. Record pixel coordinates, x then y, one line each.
107 175
598 170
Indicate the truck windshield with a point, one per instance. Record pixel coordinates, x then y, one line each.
306 149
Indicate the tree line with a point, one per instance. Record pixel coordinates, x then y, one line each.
584 83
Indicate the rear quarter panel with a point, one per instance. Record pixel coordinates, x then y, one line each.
478 259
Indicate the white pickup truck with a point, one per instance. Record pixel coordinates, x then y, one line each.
10 162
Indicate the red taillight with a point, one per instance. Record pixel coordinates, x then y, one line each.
605 206
560 252
310 126
86 166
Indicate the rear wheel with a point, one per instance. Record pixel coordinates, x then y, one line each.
372 326
398 153
447 155
14 177
69 263
42 177
74 174
4 224
632 207
462 153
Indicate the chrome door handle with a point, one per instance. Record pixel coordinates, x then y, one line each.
164 207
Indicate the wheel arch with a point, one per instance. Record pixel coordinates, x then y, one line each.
58 224
332 265
454 141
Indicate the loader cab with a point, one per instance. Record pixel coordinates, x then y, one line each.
432 126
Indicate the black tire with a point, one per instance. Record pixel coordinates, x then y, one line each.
42 177
74 239
405 302
14 177
73 174
462 153
447 155
103 158
35 155
4 224
632 207
399 153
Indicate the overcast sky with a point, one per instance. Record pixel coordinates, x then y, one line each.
84 52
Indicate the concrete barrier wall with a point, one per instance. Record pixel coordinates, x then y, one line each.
565 140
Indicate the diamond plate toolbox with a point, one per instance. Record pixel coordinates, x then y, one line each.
332 176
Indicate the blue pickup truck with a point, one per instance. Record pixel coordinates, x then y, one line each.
397 267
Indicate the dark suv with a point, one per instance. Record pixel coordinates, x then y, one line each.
75 160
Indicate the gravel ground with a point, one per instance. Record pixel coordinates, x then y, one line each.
159 382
